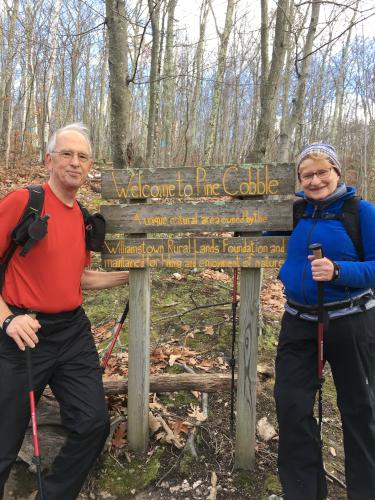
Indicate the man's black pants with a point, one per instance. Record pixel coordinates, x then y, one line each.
349 347
67 360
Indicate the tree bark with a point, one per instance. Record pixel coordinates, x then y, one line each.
271 85
154 9
298 106
118 79
218 85
168 86
208 382
50 73
7 107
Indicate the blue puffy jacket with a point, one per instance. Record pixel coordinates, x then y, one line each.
355 276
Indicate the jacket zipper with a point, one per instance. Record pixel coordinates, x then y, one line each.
315 221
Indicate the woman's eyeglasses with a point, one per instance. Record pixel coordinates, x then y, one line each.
322 174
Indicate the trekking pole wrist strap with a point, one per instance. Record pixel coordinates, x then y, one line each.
7 321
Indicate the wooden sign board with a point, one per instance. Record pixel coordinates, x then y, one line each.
199 182
235 215
190 253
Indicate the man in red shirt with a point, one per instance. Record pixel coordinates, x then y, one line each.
49 280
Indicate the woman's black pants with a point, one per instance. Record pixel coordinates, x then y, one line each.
349 347
66 359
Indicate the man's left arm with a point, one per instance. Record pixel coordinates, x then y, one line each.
96 280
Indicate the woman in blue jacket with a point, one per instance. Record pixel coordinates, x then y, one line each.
349 336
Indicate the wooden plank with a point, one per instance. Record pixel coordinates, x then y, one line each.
189 253
139 359
199 181
234 215
247 369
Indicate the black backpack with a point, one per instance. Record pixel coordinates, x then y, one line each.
349 216
32 228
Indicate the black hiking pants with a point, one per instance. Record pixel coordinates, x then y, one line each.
67 360
349 347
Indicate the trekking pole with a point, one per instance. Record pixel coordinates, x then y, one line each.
232 361
317 250
36 458
117 332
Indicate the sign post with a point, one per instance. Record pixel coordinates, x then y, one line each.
178 210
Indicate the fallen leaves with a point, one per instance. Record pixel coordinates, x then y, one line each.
118 439
211 275
197 414
265 430
272 298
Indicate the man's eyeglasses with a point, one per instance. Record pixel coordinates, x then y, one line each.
322 174
69 155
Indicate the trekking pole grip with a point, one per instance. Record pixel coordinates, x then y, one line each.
317 250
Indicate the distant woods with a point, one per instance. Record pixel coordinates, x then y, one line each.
251 82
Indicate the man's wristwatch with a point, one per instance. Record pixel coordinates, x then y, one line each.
6 322
336 271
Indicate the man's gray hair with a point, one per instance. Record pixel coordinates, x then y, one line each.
73 127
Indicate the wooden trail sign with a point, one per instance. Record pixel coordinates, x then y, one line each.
183 206
200 216
185 253
198 182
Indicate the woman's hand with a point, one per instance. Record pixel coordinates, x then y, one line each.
322 269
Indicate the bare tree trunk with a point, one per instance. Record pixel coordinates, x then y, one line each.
271 87
87 96
118 79
197 77
168 86
317 105
51 72
340 85
154 9
218 85
7 97
76 49
298 101
100 132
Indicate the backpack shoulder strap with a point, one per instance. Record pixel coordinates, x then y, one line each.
299 207
85 213
349 217
352 223
33 209
36 199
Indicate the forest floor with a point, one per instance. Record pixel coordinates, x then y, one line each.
191 327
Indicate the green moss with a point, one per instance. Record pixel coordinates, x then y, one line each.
269 338
271 485
102 304
187 463
242 480
177 399
122 480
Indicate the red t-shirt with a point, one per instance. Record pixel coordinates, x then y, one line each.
48 278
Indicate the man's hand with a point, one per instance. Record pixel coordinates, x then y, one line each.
22 329
322 269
